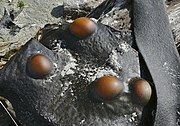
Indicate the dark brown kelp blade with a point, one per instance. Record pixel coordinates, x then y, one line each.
156 44
106 6
38 101
46 102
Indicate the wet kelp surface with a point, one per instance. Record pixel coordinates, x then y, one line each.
165 59
61 98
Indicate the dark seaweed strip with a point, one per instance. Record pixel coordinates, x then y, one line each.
156 44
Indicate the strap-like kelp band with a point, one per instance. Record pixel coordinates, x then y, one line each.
156 44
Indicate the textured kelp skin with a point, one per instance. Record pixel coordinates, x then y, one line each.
62 98
156 44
